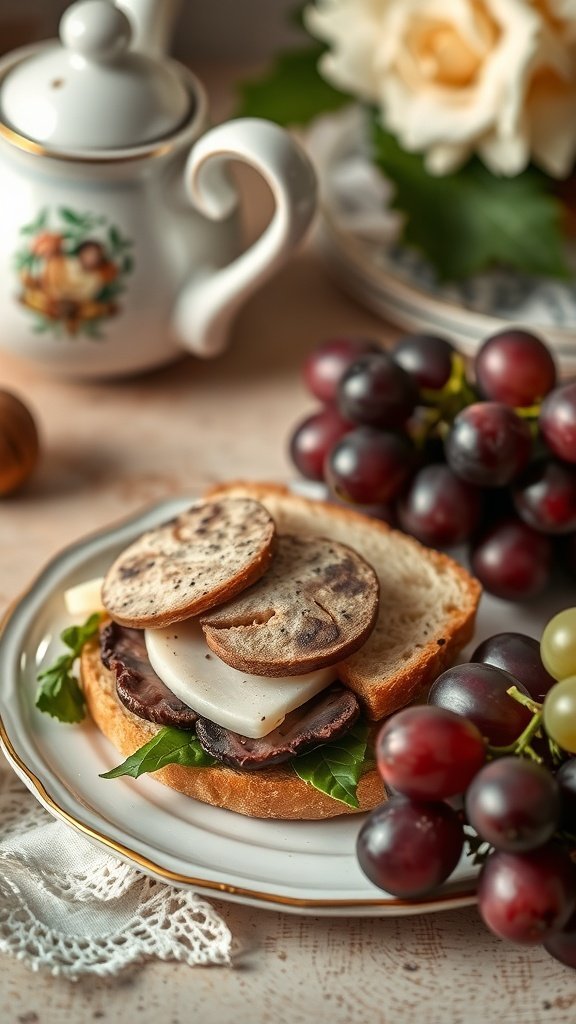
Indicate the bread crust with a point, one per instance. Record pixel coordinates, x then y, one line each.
382 684
383 687
271 793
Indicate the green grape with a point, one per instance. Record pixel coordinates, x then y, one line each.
560 714
558 644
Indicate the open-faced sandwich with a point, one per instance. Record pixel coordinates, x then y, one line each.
249 646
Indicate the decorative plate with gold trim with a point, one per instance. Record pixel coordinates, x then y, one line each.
358 234
302 867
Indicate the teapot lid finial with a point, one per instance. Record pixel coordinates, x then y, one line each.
91 91
96 29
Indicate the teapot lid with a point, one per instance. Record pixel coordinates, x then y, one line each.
90 91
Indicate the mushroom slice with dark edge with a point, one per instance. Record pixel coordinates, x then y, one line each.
139 689
315 606
196 561
325 717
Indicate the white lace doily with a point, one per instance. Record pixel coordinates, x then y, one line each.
70 908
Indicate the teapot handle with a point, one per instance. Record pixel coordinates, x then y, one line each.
207 305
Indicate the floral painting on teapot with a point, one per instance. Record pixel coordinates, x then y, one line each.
72 269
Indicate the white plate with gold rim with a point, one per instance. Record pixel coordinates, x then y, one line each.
302 867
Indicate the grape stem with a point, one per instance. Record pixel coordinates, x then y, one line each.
532 705
444 404
521 745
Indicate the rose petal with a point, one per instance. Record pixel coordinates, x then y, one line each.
391 52
505 155
552 114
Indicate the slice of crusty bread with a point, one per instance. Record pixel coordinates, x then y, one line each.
270 793
205 556
427 601
316 604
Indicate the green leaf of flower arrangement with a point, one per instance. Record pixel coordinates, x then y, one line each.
168 746
336 768
471 220
292 92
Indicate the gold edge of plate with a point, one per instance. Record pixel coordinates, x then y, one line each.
463 897
447 901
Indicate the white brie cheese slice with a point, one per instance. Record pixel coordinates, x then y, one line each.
85 598
250 705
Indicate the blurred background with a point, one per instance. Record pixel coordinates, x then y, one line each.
250 29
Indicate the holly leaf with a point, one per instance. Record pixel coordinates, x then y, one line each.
292 92
36 226
74 219
471 220
336 768
168 746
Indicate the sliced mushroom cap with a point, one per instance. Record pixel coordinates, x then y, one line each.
139 689
205 556
326 717
315 606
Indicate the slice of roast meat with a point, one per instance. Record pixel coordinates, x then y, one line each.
326 717
123 651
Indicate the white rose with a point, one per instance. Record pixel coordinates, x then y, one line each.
457 77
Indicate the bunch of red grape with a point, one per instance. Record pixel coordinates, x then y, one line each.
488 765
407 437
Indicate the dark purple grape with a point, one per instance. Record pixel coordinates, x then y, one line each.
369 467
488 444
408 848
376 392
516 368
439 508
429 753
566 779
327 363
426 358
571 554
513 561
520 656
312 440
385 513
562 945
545 497
558 422
498 505
526 897
479 693
514 804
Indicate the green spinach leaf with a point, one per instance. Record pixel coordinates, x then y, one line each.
335 768
169 746
59 694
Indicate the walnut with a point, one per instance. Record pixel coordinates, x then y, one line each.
19 444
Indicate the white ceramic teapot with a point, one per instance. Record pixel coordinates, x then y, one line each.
119 226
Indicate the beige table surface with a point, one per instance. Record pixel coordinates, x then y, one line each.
110 449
